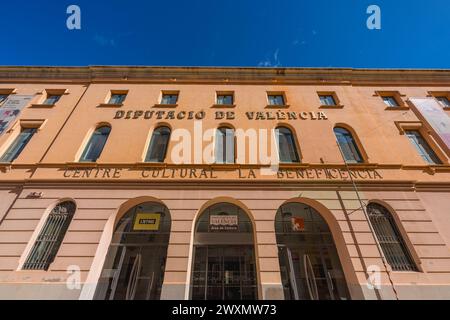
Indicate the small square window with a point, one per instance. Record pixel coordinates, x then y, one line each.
3 97
443 100
327 100
51 99
390 101
169 98
117 98
276 100
225 99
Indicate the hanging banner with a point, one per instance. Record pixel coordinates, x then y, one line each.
147 221
11 109
223 223
429 110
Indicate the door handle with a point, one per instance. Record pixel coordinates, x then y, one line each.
133 278
313 291
331 280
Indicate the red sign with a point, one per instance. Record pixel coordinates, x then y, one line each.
298 224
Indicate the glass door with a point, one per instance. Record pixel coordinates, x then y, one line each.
312 274
137 273
224 273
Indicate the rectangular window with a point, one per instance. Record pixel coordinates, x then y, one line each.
425 151
117 98
327 100
18 145
390 101
3 97
52 99
276 100
169 98
225 99
443 101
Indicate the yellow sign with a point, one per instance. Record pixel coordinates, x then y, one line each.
147 221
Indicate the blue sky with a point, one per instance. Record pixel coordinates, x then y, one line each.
297 33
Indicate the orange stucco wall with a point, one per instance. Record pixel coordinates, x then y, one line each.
417 193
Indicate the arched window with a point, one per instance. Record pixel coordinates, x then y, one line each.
390 239
348 145
287 150
50 238
95 145
224 149
158 145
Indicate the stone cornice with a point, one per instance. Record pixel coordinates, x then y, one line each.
232 185
274 76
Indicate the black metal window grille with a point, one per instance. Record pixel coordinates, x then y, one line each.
390 239
50 238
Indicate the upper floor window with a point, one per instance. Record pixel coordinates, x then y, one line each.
390 239
117 98
3 97
225 98
169 98
444 101
95 145
287 149
158 145
348 145
49 240
18 144
276 99
390 101
224 148
421 145
52 99
327 100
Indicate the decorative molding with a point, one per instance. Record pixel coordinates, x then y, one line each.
325 76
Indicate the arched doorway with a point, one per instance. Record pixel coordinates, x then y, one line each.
135 262
224 266
309 262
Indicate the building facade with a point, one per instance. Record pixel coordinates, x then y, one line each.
224 183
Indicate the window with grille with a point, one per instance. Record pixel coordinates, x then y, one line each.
390 239
50 238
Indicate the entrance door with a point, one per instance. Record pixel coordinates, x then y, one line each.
224 266
311 274
309 263
224 273
135 263
136 274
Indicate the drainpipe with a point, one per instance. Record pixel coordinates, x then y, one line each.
363 207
